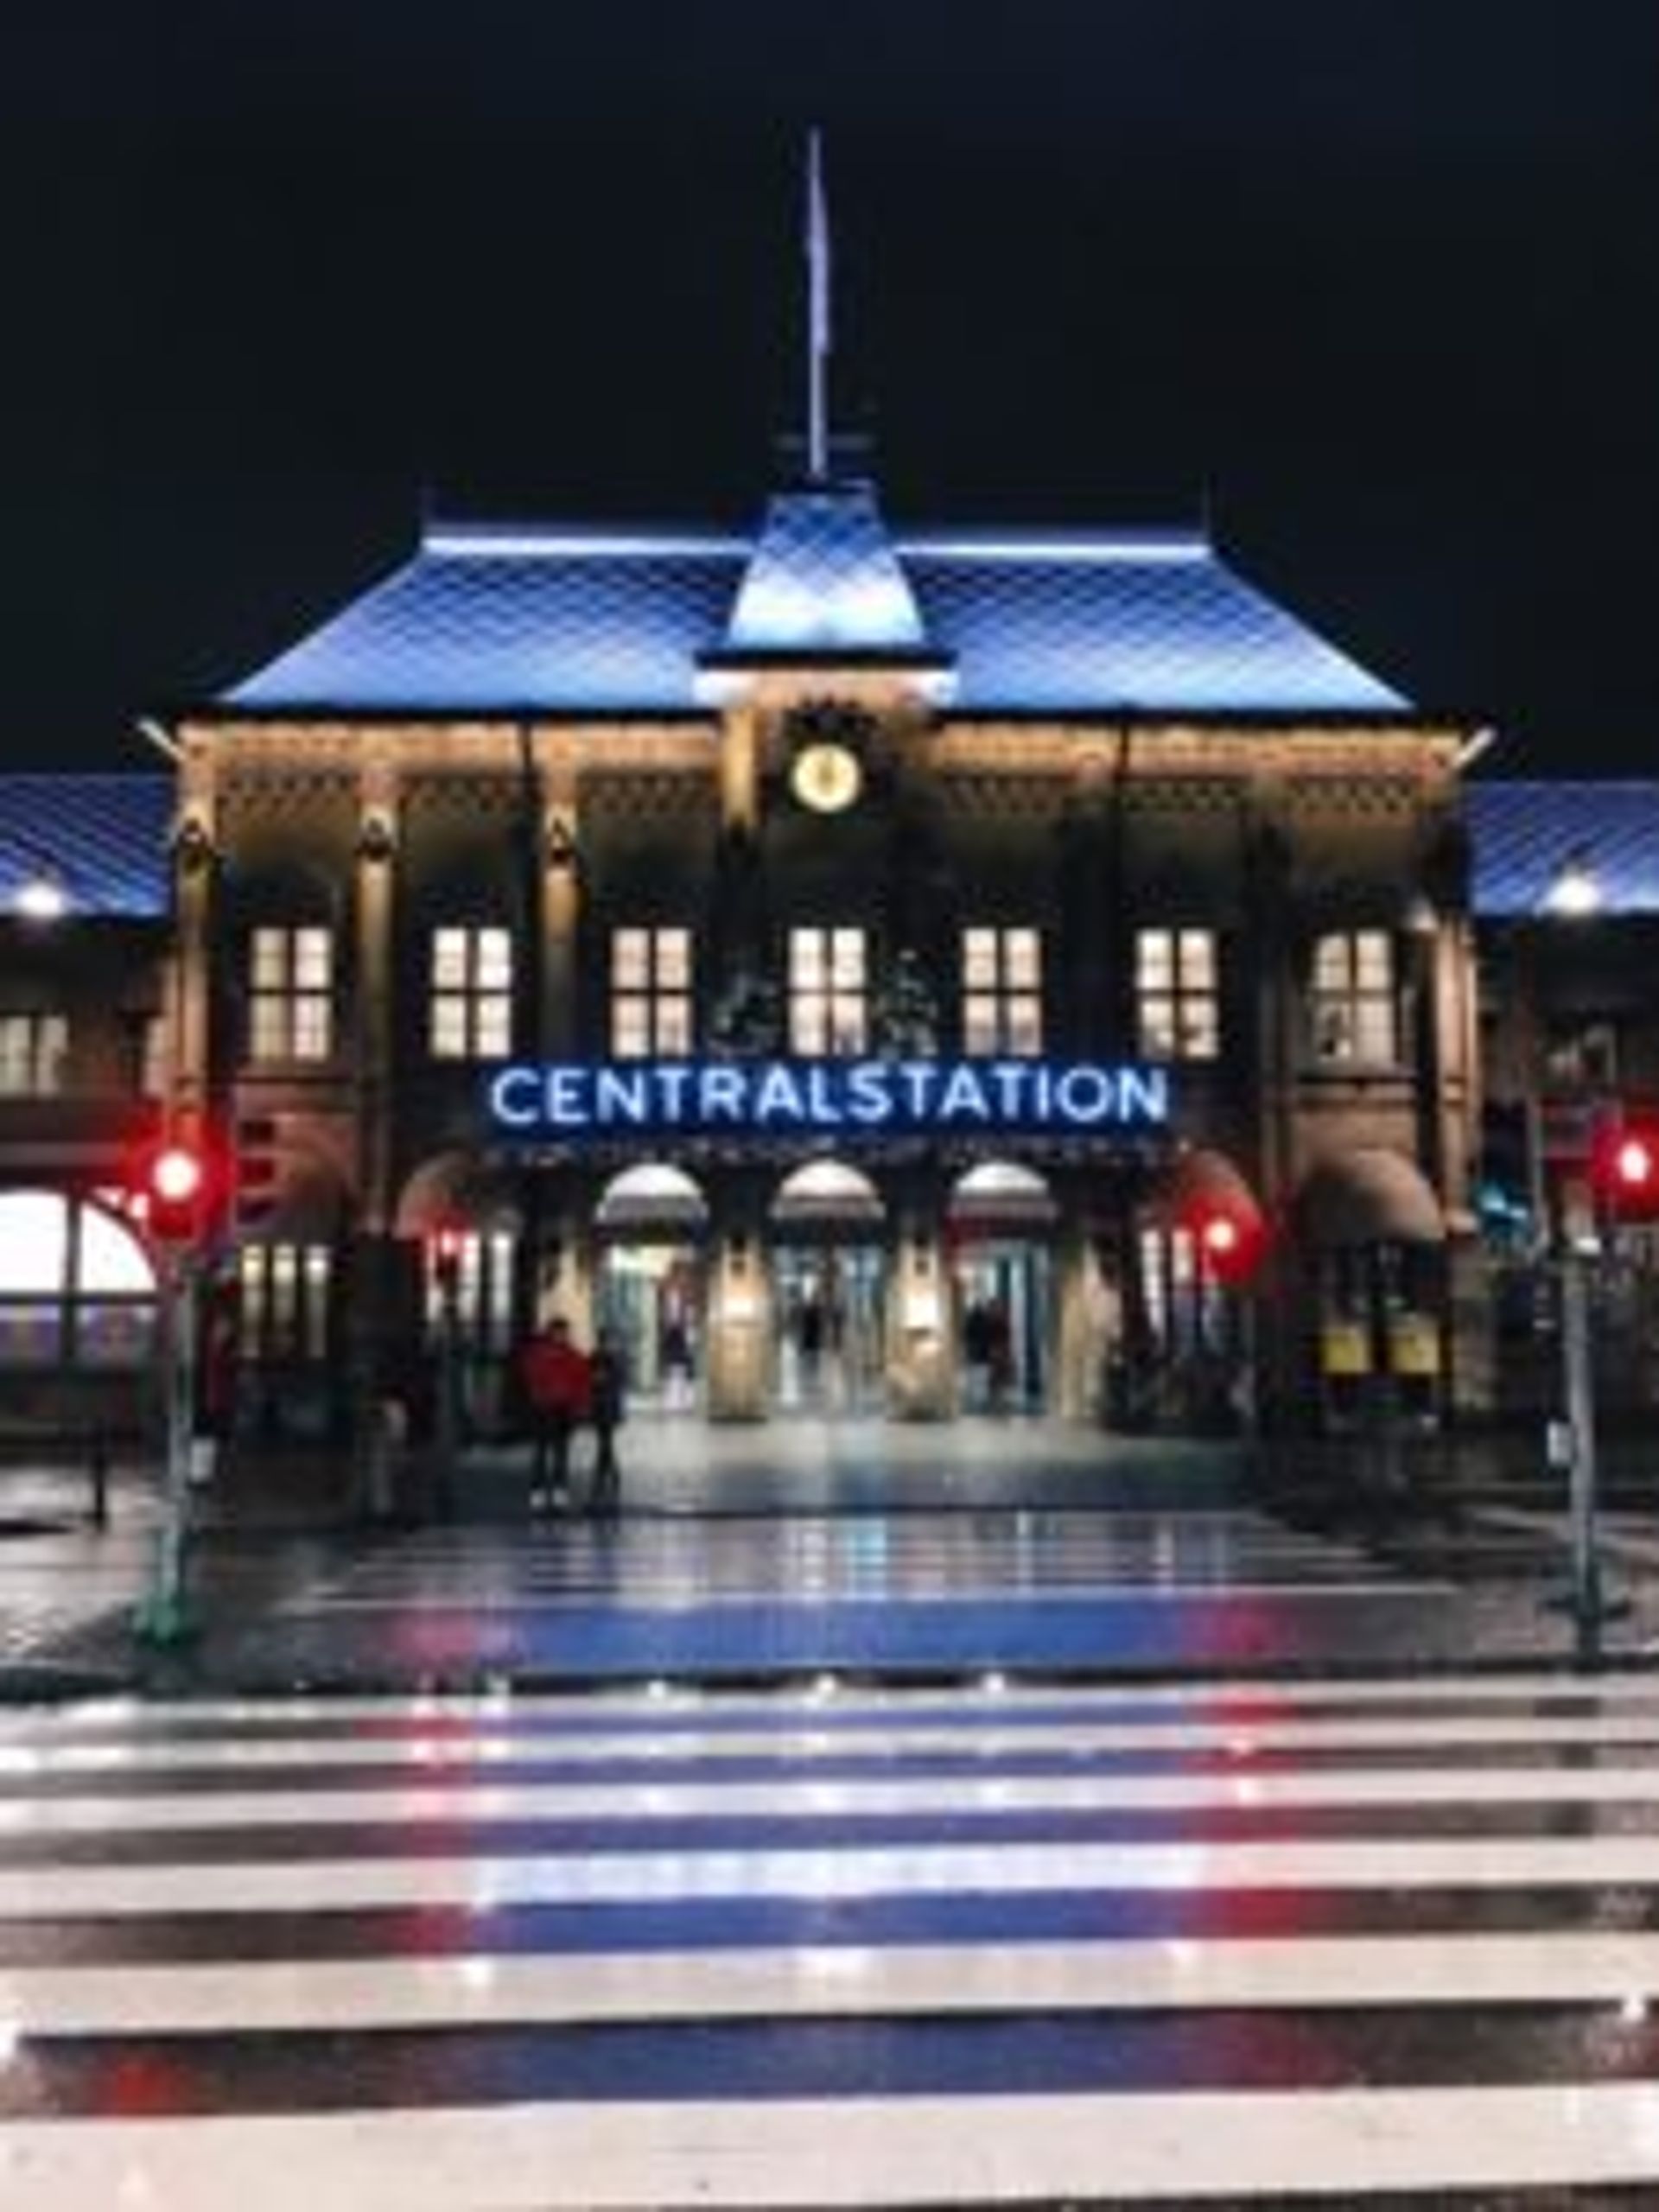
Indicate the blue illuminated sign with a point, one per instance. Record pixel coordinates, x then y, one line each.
849 1098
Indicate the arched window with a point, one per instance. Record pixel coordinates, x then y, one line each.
76 1285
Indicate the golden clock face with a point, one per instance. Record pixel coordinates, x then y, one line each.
826 777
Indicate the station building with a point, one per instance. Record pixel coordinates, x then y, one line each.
854 963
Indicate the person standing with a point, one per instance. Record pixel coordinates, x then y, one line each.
605 1393
558 1384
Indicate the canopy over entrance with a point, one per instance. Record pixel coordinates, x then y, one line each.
827 1194
1001 1197
1370 1195
653 1200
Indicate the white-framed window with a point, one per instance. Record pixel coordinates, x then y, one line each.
829 993
1177 995
34 1054
650 992
1001 990
286 1291
290 993
1354 1003
471 1001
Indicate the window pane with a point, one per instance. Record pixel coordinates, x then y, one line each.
808 1013
1373 965
849 956
494 960
630 1030
1375 1030
494 1028
1154 960
1158 1028
312 1027
269 959
673 959
1333 1030
449 959
1333 963
1025 1026
980 1028
1198 1029
268 1038
53 1065
979 959
806 959
848 1023
674 1026
630 966
1022 964
449 1027
1197 959
313 959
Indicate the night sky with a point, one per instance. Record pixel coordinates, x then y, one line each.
1374 283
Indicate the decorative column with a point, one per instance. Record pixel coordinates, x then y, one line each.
740 1331
560 1012
377 1013
920 1333
195 858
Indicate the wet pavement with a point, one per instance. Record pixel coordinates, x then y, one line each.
860 1549
1367 1942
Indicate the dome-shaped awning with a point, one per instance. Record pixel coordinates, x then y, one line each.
1001 1196
1369 1196
652 1199
453 1187
827 1194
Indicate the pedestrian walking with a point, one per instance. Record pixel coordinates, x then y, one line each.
557 1383
605 1396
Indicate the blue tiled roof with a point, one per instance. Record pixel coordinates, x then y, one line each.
824 578
101 838
499 618
1524 833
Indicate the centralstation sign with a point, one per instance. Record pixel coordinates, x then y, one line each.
844 1098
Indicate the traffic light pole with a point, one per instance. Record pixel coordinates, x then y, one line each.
164 1618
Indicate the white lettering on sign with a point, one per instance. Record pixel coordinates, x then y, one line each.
909 1097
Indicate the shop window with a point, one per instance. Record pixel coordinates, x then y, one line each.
290 994
286 1293
1177 999
828 1013
471 993
1001 991
76 1286
650 992
482 1291
34 1054
148 1060
1355 1012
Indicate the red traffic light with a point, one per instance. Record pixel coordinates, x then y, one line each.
1229 1238
1625 1168
172 1187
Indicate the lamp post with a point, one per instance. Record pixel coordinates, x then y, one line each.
174 1188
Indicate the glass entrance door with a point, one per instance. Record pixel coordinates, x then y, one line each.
1003 1305
829 1304
651 1299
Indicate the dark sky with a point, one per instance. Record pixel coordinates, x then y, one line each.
1379 279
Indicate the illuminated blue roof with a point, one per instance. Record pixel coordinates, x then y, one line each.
824 578
1525 833
496 618
102 839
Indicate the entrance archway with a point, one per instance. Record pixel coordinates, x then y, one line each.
829 1276
1000 1220
650 1223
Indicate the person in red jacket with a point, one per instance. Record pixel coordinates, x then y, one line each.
557 1383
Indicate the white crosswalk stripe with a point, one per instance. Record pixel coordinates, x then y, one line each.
1235 1940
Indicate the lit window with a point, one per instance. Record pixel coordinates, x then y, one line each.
828 998
650 992
284 1309
1354 1009
151 1056
34 1054
1001 991
1178 1008
471 1004
291 994
479 1296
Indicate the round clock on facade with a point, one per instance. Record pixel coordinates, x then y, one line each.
826 776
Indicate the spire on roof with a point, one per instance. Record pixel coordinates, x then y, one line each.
824 577
817 316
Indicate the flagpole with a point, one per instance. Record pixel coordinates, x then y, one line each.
818 315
